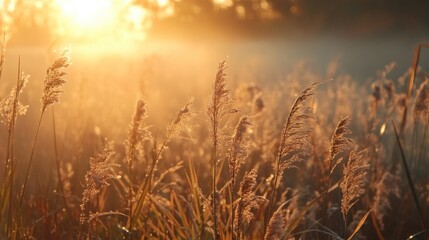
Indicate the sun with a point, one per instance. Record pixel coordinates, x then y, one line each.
101 20
87 15
107 20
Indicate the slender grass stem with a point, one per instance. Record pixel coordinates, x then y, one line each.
10 146
410 181
27 173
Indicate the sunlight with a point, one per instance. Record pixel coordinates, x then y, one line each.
87 15
223 3
103 20
163 3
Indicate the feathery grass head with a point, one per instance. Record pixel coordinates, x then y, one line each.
181 120
137 131
238 148
98 175
8 104
354 179
54 80
339 143
295 140
248 201
220 100
176 126
217 109
221 94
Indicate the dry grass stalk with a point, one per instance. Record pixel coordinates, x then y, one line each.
354 179
54 80
295 140
96 178
135 136
137 132
237 154
339 143
238 149
10 107
179 123
295 144
248 202
410 180
217 109
413 73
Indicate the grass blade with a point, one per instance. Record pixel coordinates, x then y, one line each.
410 181
360 224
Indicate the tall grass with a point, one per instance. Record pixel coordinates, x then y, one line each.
245 169
54 80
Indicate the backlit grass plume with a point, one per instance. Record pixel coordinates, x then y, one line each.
339 143
97 177
177 125
247 203
237 153
354 180
295 139
217 109
54 80
136 134
238 148
10 107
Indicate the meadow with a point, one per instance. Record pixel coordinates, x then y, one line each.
309 156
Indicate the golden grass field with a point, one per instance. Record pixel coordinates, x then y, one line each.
304 158
128 143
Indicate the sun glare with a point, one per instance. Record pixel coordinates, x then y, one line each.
163 3
87 15
104 20
223 3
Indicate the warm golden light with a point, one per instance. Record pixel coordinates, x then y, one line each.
223 3
103 20
88 15
163 3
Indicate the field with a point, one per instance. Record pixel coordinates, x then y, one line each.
101 143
